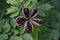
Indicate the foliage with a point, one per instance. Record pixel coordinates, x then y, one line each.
49 12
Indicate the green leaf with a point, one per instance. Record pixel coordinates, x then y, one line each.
21 29
10 33
16 32
13 23
14 14
13 11
44 33
44 6
26 3
58 15
3 36
34 1
56 4
15 38
34 34
27 36
14 2
0 29
6 27
21 0
0 39
54 35
41 13
31 5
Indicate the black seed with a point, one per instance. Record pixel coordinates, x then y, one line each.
38 21
34 12
28 28
20 21
26 12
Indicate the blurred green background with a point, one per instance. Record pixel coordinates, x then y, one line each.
49 12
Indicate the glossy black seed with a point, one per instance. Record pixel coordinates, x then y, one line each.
20 21
34 12
28 28
26 12
38 21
